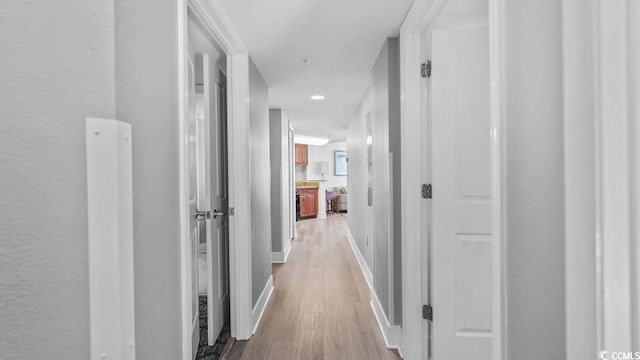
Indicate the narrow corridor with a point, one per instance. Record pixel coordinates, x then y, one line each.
320 307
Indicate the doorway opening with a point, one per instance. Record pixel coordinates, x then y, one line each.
460 210
320 178
208 173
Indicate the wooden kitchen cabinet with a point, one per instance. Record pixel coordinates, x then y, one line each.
302 154
308 202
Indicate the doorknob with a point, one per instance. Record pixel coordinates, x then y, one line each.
217 213
202 215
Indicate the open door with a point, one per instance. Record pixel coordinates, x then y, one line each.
218 243
207 63
214 188
461 259
195 216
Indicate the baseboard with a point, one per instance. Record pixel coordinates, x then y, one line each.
280 257
361 261
392 334
261 305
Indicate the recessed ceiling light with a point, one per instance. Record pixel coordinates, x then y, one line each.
317 97
305 61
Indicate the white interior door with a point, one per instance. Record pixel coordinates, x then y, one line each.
191 135
206 128
218 239
208 188
461 276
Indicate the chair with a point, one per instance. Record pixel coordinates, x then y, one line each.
332 201
341 201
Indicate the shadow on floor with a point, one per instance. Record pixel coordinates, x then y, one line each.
214 352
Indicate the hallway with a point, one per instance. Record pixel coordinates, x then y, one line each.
487 153
320 307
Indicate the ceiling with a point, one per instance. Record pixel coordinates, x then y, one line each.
342 39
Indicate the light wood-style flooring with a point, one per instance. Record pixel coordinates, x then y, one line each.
319 308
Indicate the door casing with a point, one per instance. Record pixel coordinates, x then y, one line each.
602 168
415 224
460 211
219 26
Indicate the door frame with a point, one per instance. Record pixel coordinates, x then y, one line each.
218 24
420 19
602 168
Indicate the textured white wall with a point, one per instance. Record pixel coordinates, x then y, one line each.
260 174
325 153
146 46
56 68
300 173
535 208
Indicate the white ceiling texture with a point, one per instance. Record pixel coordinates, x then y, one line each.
341 38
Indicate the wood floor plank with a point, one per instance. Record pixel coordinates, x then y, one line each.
311 339
282 350
320 305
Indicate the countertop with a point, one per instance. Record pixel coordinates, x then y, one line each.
307 185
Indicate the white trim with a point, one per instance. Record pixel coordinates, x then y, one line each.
185 241
498 144
421 17
579 189
196 321
368 276
280 257
239 197
601 167
218 24
411 179
634 89
392 334
613 170
261 305
110 233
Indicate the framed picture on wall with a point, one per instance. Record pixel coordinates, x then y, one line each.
340 161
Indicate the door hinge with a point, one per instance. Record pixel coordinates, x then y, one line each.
426 191
425 69
427 312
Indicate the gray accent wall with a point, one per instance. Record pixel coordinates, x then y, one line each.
275 134
260 180
381 192
56 69
280 206
376 229
360 218
535 191
147 83
394 150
